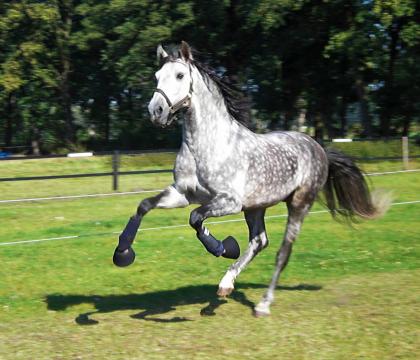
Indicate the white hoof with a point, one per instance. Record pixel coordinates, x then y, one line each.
226 285
262 309
223 292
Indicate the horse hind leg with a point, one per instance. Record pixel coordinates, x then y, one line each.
257 242
298 205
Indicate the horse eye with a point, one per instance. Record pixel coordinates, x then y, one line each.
180 76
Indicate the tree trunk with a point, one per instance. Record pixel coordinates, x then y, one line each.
319 127
329 125
107 121
388 106
63 40
343 117
364 109
35 141
66 101
8 126
100 115
406 125
287 120
232 27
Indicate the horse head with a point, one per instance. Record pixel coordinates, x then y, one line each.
174 84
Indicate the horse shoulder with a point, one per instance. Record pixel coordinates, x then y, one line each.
185 170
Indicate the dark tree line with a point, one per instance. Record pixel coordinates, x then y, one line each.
79 73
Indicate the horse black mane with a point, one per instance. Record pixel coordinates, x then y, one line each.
237 103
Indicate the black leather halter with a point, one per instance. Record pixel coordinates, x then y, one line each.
185 102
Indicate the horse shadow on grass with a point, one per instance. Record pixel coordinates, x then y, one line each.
157 303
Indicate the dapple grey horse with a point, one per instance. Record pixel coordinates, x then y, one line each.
226 168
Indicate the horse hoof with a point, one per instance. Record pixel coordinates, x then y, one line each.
231 246
259 314
223 292
261 311
124 258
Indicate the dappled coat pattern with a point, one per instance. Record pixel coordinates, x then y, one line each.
226 168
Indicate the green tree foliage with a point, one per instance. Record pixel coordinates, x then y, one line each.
34 73
80 72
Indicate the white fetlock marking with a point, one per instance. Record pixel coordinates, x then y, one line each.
264 240
227 281
206 231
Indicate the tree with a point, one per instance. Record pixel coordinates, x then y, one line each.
80 72
400 29
35 69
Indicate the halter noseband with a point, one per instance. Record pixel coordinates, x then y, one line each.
184 102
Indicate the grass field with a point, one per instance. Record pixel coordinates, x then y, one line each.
347 293
65 166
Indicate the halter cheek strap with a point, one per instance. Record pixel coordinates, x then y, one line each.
184 102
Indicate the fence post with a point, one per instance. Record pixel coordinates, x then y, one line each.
405 151
115 169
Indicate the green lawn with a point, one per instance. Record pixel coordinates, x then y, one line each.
96 164
347 293
376 148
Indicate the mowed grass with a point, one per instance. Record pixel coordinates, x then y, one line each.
376 148
77 186
347 292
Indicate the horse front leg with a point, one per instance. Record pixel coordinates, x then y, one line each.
221 205
257 241
169 198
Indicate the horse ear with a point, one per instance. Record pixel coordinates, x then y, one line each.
161 53
186 51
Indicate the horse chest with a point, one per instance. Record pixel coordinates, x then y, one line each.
202 177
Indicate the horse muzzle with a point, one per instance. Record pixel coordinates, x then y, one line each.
162 122
160 114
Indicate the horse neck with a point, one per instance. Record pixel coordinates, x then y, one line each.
208 122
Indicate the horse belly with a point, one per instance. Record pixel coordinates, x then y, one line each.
272 175
269 193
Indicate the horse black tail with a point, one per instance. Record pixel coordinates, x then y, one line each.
347 193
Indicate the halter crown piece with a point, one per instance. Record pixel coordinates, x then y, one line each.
185 102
